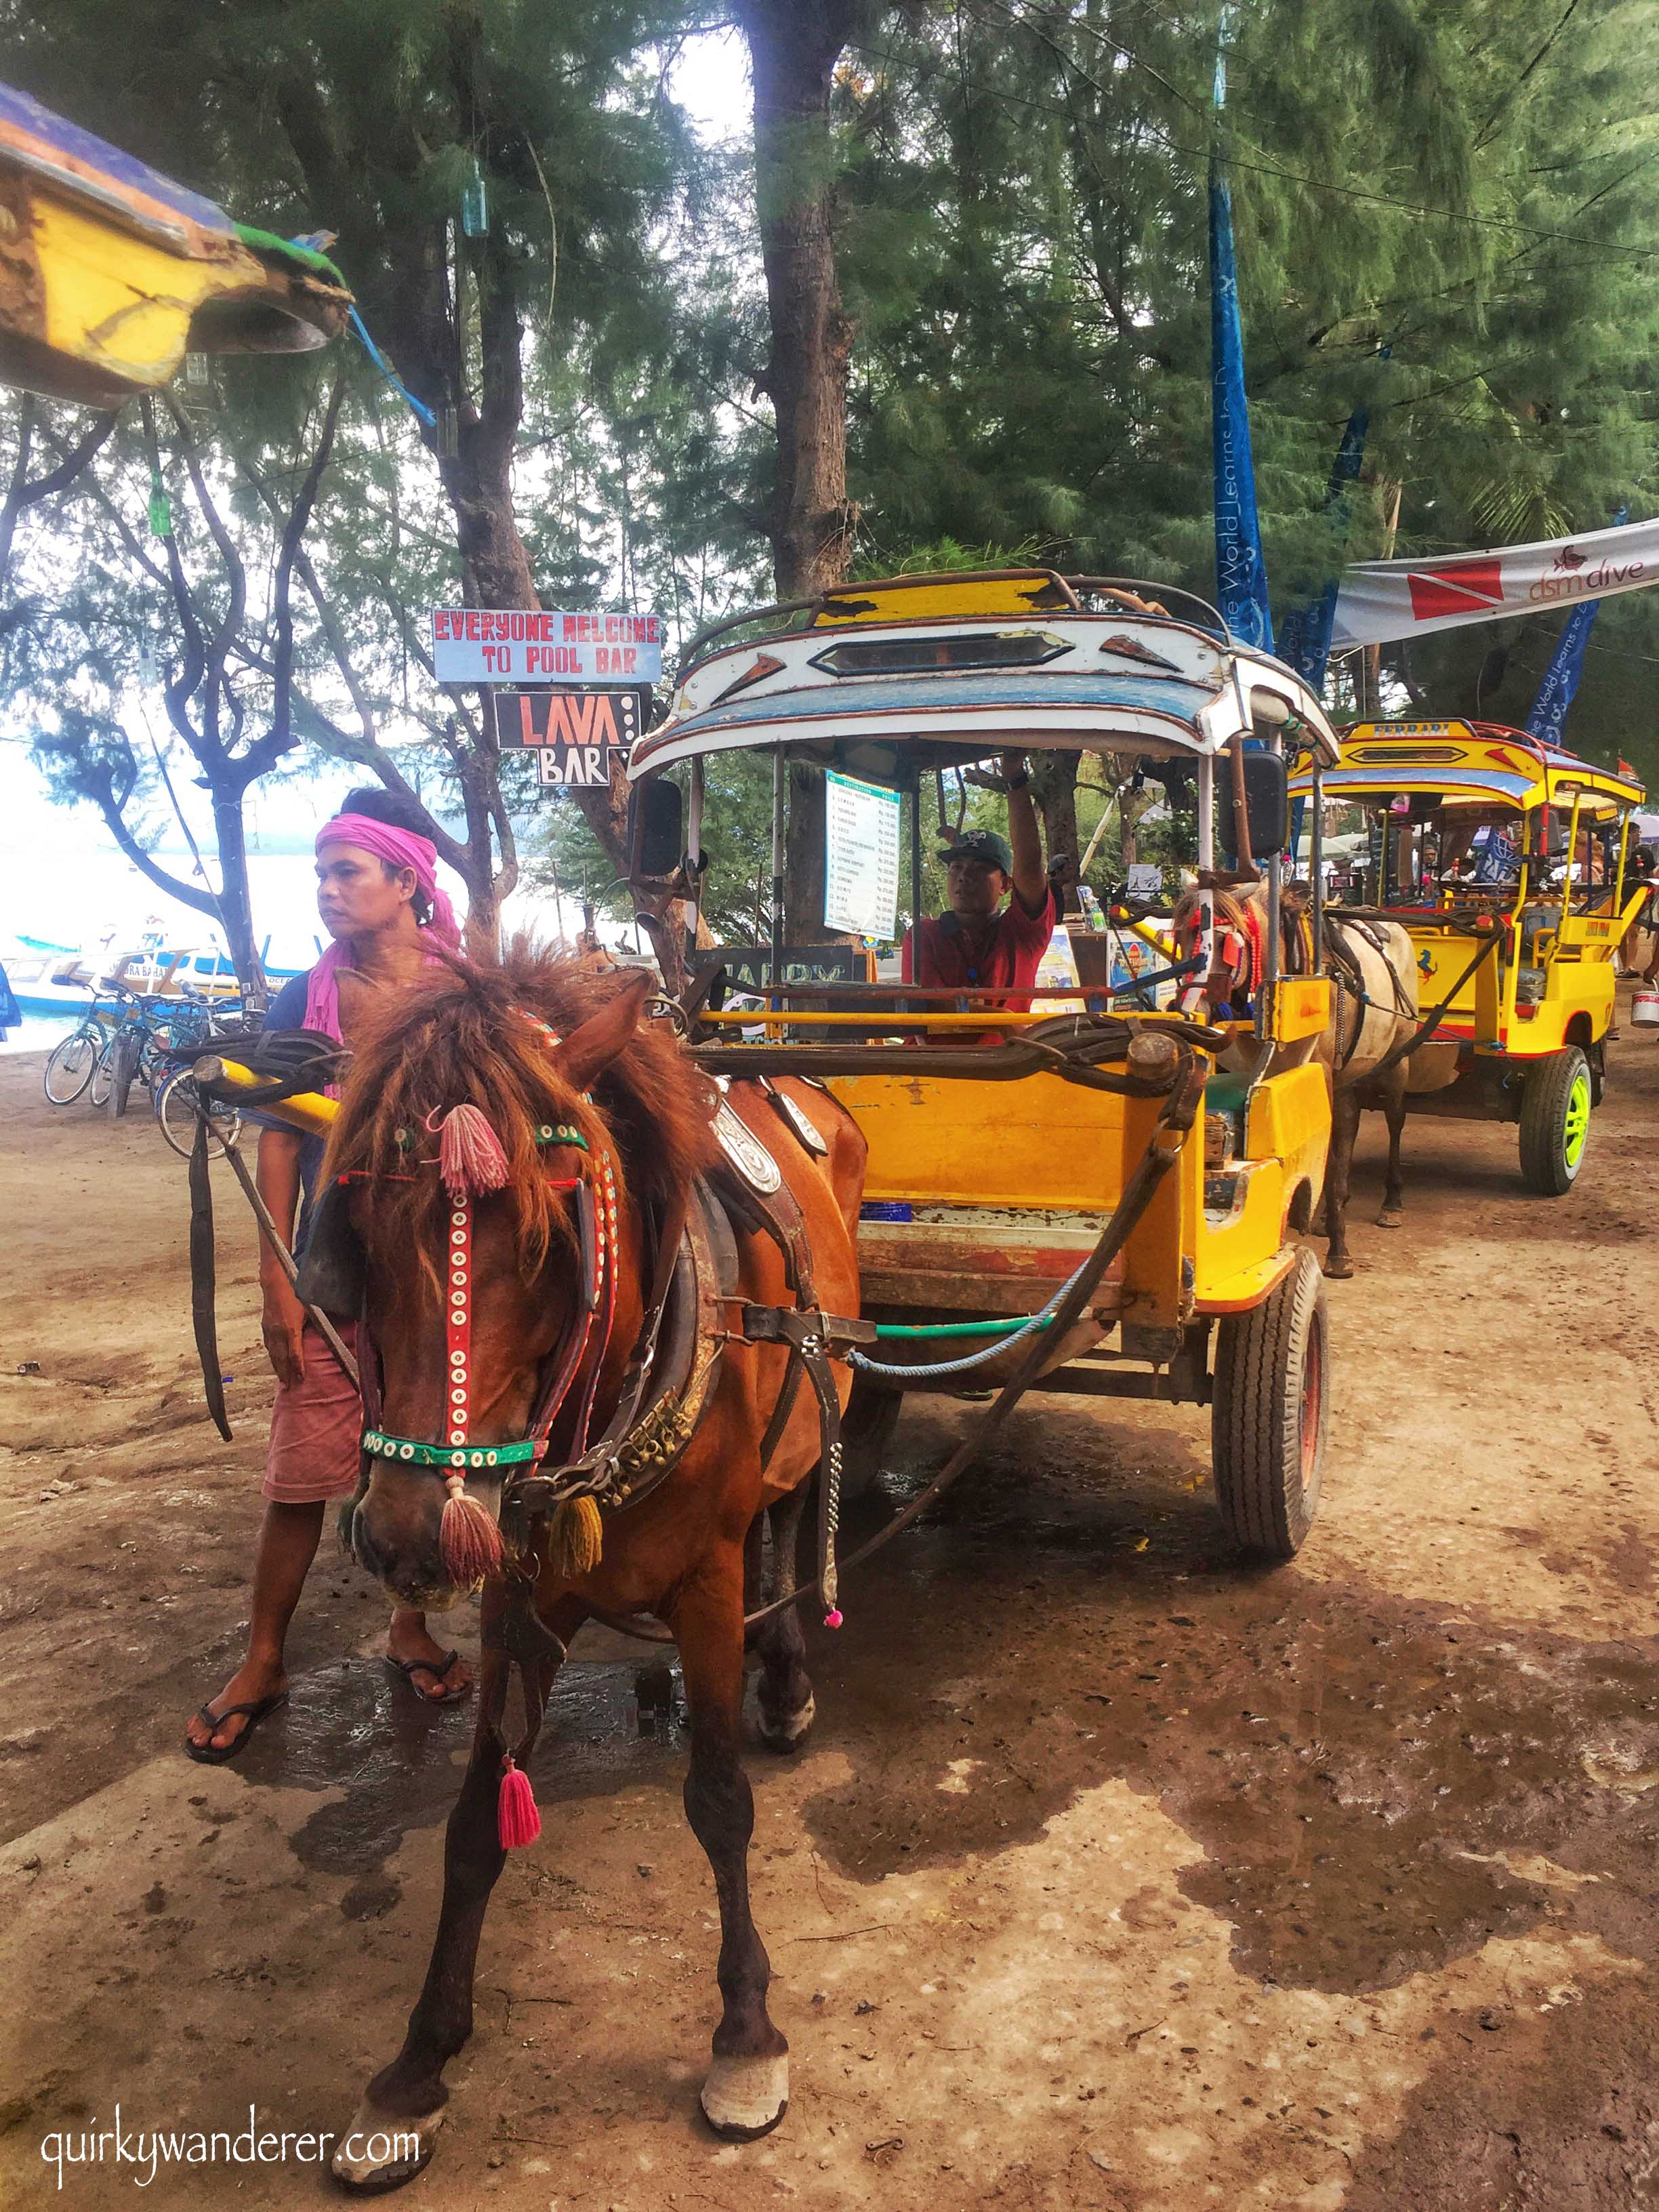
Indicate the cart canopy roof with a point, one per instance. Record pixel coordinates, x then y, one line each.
1467 764
114 271
886 680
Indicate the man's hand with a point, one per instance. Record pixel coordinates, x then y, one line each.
282 1326
1030 884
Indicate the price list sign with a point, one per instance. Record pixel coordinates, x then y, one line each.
861 827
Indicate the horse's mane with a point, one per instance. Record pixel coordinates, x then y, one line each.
461 1036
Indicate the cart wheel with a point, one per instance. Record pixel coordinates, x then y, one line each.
1269 1414
1555 1114
866 1430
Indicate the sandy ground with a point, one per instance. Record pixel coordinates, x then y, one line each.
1114 1875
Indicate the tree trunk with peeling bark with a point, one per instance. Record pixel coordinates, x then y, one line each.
793 48
1054 787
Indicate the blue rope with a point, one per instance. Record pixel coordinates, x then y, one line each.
970 1359
418 408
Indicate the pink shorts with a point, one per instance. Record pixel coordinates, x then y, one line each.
316 1428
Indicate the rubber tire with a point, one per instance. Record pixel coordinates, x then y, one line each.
1267 1474
60 1054
1545 1167
123 1066
102 1077
172 1102
866 1431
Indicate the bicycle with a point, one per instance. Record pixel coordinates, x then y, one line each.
175 1099
133 1054
75 1060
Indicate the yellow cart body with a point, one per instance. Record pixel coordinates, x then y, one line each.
1548 892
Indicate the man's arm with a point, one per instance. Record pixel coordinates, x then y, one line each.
278 1176
1030 882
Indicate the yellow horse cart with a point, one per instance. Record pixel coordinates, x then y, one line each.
1508 861
110 272
1064 1201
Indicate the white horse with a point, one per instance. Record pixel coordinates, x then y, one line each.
1373 966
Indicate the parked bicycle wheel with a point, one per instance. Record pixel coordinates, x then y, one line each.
70 1065
175 1112
153 1061
98 1097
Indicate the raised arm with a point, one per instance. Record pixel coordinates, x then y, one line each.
1024 838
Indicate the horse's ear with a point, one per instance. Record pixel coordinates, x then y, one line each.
589 1050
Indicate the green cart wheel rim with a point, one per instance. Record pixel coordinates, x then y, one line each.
1575 1127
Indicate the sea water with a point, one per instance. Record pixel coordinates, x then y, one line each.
102 906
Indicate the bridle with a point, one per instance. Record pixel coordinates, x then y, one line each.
471 1162
588 1327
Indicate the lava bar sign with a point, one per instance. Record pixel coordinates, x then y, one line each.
575 733
513 645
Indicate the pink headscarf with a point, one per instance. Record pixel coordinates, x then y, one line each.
403 849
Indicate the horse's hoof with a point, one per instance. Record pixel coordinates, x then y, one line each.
1390 1218
379 2152
1339 1270
787 1732
744 2099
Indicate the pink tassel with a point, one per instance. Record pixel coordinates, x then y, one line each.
468 1539
517 1820
469 1156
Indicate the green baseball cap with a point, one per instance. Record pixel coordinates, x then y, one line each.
980 845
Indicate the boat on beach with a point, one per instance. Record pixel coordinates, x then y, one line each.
48 978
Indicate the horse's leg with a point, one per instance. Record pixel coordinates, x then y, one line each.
1345 1127
786 1706
1393 1106
747 2087
408 2097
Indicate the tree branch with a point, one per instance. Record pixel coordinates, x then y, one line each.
100 789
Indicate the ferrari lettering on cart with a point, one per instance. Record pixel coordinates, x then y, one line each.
523 645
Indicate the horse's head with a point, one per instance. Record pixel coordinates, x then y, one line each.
468 1151
1231 977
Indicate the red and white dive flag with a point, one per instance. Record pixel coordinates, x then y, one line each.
1384 599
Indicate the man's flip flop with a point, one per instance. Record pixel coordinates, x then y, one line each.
212 1755
408 1668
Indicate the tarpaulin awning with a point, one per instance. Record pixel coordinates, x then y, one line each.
1382 600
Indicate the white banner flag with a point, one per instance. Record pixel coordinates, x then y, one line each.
1380 600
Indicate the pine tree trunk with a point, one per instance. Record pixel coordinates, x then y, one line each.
1054 786
793 48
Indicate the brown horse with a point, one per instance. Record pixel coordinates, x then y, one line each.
1373 965
588 1133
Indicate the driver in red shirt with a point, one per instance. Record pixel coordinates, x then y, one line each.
979 943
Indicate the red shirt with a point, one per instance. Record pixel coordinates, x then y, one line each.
1015 944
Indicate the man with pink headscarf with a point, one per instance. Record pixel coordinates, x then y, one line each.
378 896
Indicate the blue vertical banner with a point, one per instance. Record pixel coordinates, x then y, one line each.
1305 639
1555 693
1240 574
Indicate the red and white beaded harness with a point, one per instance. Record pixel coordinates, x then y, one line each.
455 1455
